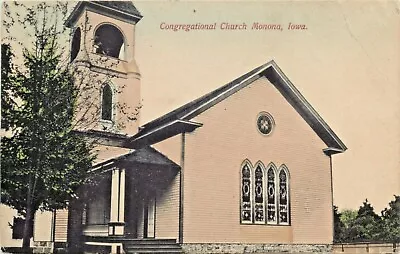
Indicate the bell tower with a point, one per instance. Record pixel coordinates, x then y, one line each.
103 56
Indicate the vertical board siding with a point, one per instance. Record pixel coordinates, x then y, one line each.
140 226
215 152
61 226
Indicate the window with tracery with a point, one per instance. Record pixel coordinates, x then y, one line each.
246 207
271 196
259 195
265 195
283 198
106 104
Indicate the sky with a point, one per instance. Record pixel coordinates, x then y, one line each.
346 62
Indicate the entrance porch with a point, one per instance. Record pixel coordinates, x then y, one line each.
134 199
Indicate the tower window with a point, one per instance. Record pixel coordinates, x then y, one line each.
109 41
75 46
106 104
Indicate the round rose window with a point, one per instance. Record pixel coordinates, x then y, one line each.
265 123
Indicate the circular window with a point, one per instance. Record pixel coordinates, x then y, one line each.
265 123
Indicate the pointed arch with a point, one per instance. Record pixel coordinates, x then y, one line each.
284 195
259 193
107 101
271 194
246 208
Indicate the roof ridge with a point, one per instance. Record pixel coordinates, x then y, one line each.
275 76
218 90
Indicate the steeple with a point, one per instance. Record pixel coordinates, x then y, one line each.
103 43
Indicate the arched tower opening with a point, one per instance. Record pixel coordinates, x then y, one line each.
76 43
109 41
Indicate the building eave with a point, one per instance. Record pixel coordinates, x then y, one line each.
165 131
148 156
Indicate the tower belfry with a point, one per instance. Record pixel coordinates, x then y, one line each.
103 49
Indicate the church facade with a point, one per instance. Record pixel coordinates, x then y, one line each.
244 168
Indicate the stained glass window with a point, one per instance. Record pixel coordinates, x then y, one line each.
265 123
259 195
246 209
271 196
106 104
283 198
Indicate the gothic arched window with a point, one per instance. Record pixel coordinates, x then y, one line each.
259 195
271 195
108 40
246 207
283 196
106 103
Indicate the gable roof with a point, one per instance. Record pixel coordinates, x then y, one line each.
148 156
157 129
123 10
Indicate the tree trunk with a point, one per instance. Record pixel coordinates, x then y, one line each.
27 227
26 236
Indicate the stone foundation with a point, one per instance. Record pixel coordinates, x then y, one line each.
42 247
254 248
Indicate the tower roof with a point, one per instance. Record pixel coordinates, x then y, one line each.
123 6
124 10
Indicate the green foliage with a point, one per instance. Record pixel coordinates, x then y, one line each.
338 225
43 158
43 163
365 225
348 216
390 228
7 87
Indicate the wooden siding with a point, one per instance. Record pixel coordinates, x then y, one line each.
167 211
61 226
140 231
215 152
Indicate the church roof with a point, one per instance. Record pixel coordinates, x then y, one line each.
124 10
148 156
155 130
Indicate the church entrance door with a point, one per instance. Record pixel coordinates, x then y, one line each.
149 218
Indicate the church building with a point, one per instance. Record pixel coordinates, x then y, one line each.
245 168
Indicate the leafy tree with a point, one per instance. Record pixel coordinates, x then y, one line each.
7 79
347 216
390 226
339 227
44 100
365 226
43 161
